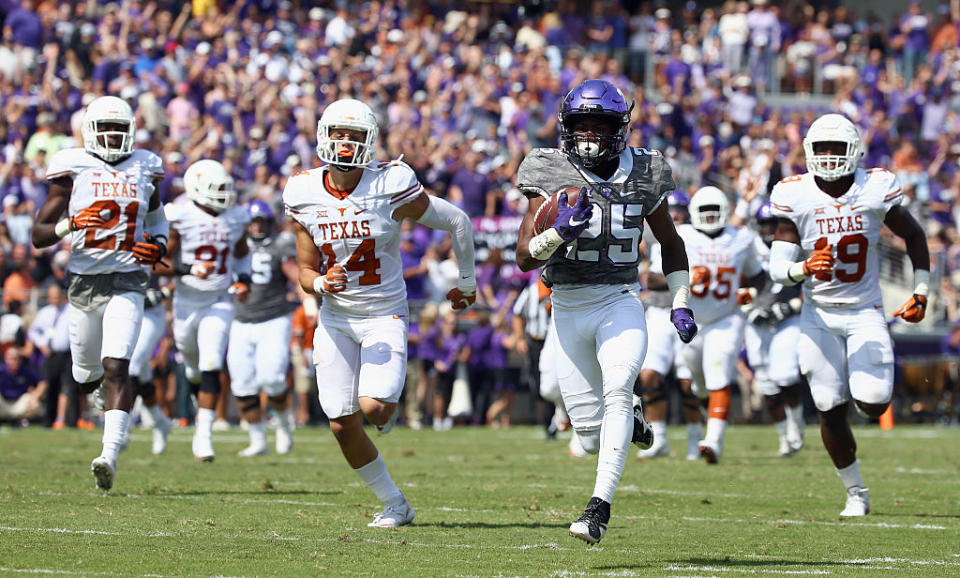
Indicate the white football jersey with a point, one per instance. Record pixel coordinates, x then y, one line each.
206 237
358 233
721 261
121 191
850 223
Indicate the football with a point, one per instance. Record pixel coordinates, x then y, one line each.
546 214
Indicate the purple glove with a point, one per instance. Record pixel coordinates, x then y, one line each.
571 221
682 319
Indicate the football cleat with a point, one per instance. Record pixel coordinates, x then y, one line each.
642 432
858 502
284 441
592 525
709 452
385 428
657 450
161 430
393 516
254 450
203 449
103 471
784 451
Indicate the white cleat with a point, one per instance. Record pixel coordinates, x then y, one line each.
161 430
203 449
858 502
385 428
710 452
393 516
103 471
658 450
785 450
284 441
252 451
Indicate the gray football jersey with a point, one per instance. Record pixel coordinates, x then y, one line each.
268 290
607 252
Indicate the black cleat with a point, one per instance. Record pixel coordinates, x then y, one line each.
592 525
642 432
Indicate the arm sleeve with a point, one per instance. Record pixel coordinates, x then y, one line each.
783 256
441 214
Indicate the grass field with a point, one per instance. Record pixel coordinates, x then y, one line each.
488 503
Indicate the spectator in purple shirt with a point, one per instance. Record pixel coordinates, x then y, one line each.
476 352
25 27
914 26
502 378
445 343
21 389
471 190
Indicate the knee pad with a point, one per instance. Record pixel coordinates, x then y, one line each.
248 403
589 439
210 382
84 374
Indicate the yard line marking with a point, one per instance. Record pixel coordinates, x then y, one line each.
60 531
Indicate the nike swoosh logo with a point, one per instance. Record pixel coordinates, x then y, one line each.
355 212
575 223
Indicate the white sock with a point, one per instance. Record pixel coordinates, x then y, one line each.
285 420
205 419
377 479
158 415
795 414
715 430
115 422
258 436
781 427
560 413
850 475
659 432
694 433
615 435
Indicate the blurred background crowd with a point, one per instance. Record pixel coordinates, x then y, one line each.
463 89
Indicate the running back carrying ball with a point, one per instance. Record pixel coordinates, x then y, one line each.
546 215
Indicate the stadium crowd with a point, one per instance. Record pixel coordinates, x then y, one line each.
462 90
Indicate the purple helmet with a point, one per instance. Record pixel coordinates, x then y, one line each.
764 214
594 99
258 209
678 198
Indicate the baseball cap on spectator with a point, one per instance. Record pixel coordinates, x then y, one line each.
256 132
293 161
742 81
203 48
662 13
759 2
10 201
142 136
323 60
315 13
395 35
87 29
45 119
173 157
705 141
273 38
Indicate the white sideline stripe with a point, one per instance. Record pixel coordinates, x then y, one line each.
677 568
60 531
71 572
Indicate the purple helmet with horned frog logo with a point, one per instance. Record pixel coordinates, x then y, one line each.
595 100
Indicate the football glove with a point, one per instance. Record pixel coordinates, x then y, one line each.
913 310
334 281
781 311
202 269
239 290
150 250
758 316
745 295
461 299
571 221
819 261
88 218
682 319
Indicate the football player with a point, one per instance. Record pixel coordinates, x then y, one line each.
259 351
591 256
212 266
103 198
832 215
666 352
770 339
348 214
719 255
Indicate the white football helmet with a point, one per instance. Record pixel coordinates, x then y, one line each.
833 128
208 183
97 137
709 210
351 114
